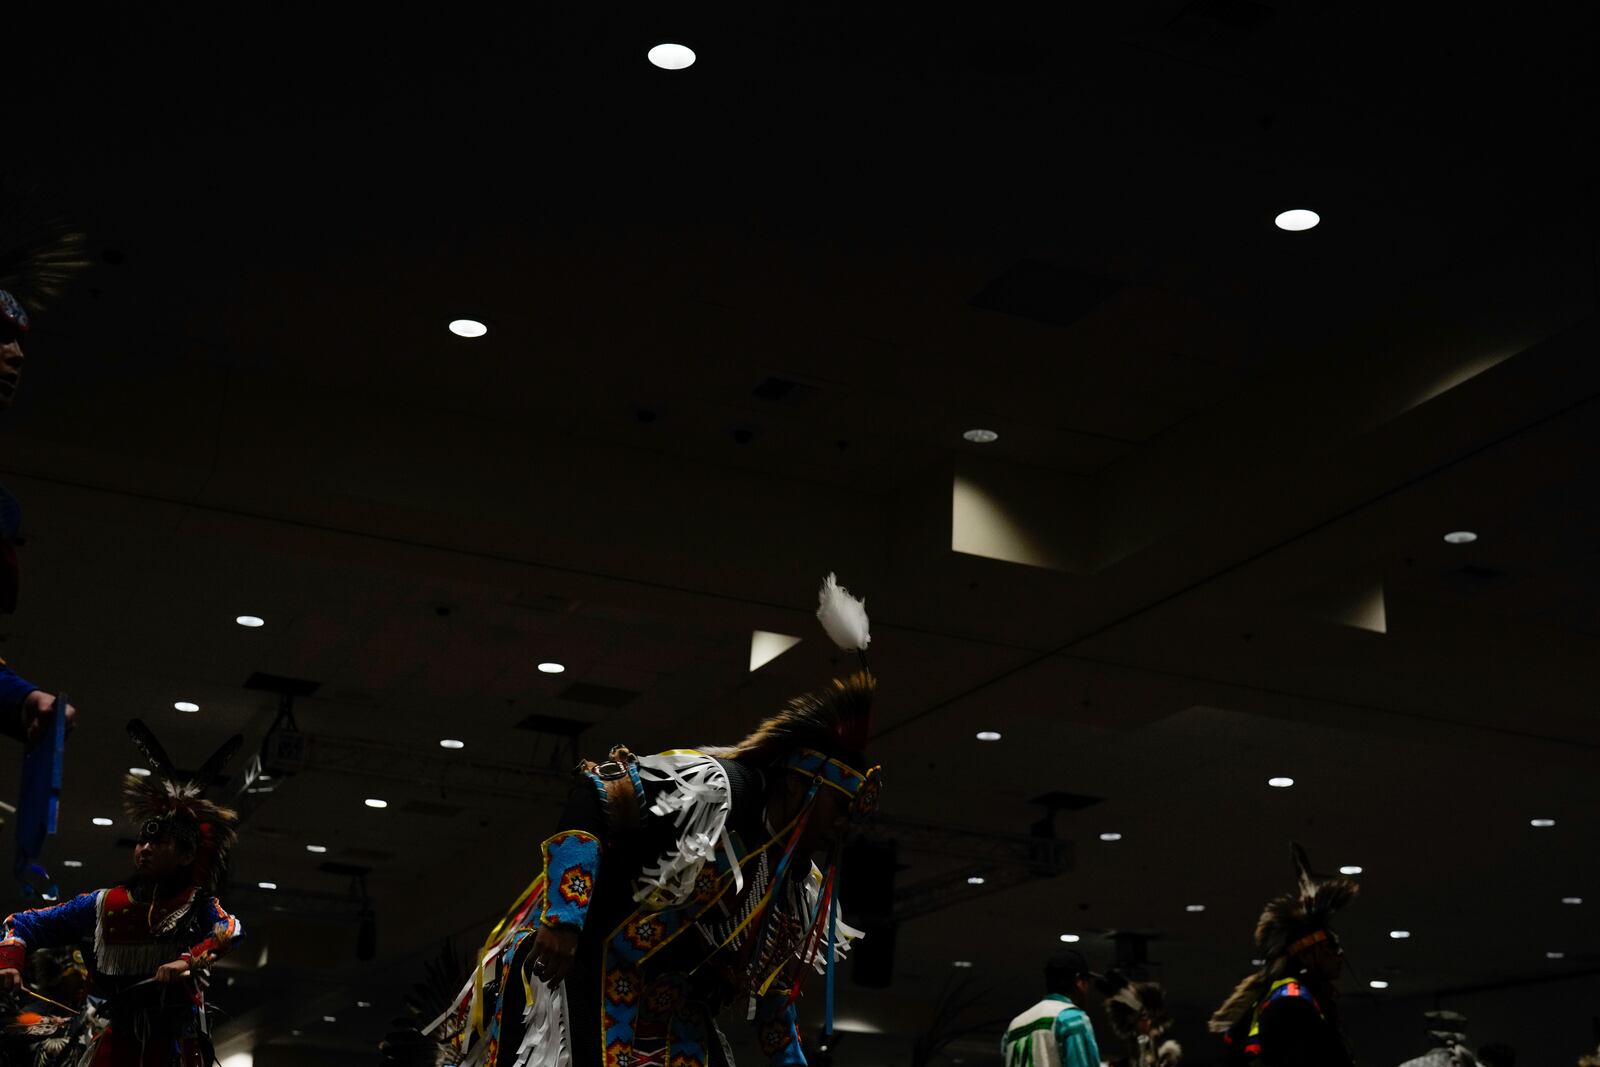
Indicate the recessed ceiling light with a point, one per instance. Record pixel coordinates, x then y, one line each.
187 705
363 1003
1258 963
975 880
671 56
319 849
1555 955
1543 824
450 742
139 772
251 621
1351 870
101 820
1399 935
1297 219
551 668
963 964
1378 983
1111 836
1460 537
981 437
266 885
1195 907
1280 783
988 735
1572 900
374 802
468 328
1071 939
330 1018
72 863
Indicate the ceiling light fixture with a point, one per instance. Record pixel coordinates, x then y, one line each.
363 1003
374 802
1572 900
1280 783
330 1018
1543 824
1195 907
1111 836
251 621
1399 935
139 772
468 328
551 668
1378 983
1297 219
1351 870
452 743
1071 939
963 964
101 820
187 706
318 849
72 863
1258 963
981 437
1555 955
671 56
975 880
988 735
1460 537
266 885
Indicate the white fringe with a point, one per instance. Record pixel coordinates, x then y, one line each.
546 1024
843 617
802 902
700 798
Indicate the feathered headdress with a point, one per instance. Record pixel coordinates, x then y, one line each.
39 250
836 721
1128 1001
169 802
1288 925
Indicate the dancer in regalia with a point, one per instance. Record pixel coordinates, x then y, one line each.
1137 1012
156 934
678 885
1287 1013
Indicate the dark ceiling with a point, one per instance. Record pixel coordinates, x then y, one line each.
739 317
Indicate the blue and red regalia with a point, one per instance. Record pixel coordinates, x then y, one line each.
676 887
1287 1013
155 935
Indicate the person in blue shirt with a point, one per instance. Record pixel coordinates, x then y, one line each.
1055 1032
24 707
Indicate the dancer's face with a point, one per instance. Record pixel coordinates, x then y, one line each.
158 859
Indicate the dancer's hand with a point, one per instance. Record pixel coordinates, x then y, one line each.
10 978
175 971
37 708
554 948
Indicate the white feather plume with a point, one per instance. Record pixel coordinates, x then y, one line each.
843 617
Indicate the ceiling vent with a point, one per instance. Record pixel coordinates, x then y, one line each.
553 724
1045 293
1217 24
277 683
428 807
604 696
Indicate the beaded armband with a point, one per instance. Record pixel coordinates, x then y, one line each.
571 863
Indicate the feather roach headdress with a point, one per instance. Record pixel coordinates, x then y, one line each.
1128 1001
836 721
171 803
1289 925
39 250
